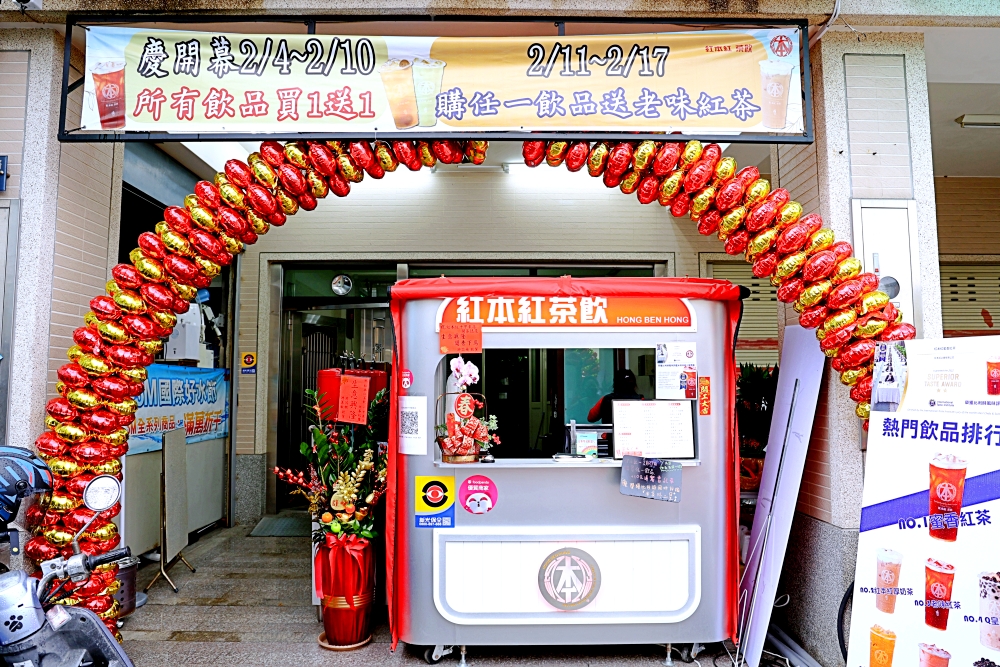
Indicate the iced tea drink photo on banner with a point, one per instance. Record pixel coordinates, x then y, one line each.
993 376
883 644
887 574
989 610
940 577
397 79
109 89
775 80
947 486
427 77
932 656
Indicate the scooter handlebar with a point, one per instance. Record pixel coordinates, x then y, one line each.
110 557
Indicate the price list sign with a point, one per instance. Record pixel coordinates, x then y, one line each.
655 479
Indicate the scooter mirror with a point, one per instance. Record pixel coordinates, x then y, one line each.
101 493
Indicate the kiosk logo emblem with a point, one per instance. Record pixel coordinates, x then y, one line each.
569 579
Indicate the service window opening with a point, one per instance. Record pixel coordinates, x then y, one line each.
542 397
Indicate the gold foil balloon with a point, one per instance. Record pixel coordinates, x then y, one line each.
62 504
846 270
164 318
864 410
71 432
94 365
56 537
119 437
642 159
84 399
821 240
176 243
129 301
104 532
852 375
153 347
91 319
872 301
731 221
111 287
207 266
186 292
64 466
296 155
703 200
113 587
220 179
126 406
113 611
761 243
725 170
692 151
839 320
790 265
109 467
204 219
871 328
317 184
259 224
264 173
134 374
671 185
161 227
756 192
51 422
149 268
290 205
814 293
232 196
789 214
191 201
233 245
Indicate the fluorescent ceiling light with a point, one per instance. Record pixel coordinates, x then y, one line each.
979 120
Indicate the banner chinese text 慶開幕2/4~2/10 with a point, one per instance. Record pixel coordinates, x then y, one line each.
927 588
713 81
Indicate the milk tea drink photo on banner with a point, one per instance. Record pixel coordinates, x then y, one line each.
927 586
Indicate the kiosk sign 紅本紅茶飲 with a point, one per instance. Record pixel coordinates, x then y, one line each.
696 83
525 313
195 399
927 587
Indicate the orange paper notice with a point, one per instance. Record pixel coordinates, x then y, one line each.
353 407
461 337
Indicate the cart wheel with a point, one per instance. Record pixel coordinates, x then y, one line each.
429 656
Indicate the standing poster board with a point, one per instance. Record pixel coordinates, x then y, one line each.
927 587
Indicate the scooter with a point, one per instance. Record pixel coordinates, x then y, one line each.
35 632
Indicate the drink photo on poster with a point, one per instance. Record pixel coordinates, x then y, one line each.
397 79
887 573
940 579
882 647
947 487
775 80
989 610
109 89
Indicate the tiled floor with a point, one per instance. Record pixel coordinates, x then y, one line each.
248 604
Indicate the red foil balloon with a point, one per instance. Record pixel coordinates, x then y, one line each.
261 199
666 158
127 276
322 158
619 160
857 353
406 153
112 386
49 444
73 375
239 173
612 180
698 175
709 223
61 409
901 331
845 294
338 186
208 194
183 270
140 326
88 340
533 152
273 153
127 356
206 244
765 265
76 485
681 205
761 216
842 250
648 190
178 219
105 308
38 549
291 176
861 392
819 266
308 202
835 339
789 292
810 318
232 222
736 243
793 238
100 420
869 282
157 296
180 306
576 155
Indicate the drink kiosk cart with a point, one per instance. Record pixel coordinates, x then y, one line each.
548 549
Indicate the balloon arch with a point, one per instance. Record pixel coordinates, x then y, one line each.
87 424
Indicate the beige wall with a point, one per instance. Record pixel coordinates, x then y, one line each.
544 210
86 244
13 98
968 214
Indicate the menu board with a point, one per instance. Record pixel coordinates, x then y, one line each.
927 585
654 429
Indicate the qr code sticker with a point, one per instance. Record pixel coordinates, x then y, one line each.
409 422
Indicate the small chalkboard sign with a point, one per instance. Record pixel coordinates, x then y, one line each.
657 479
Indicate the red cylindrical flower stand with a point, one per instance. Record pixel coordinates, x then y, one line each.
345 582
